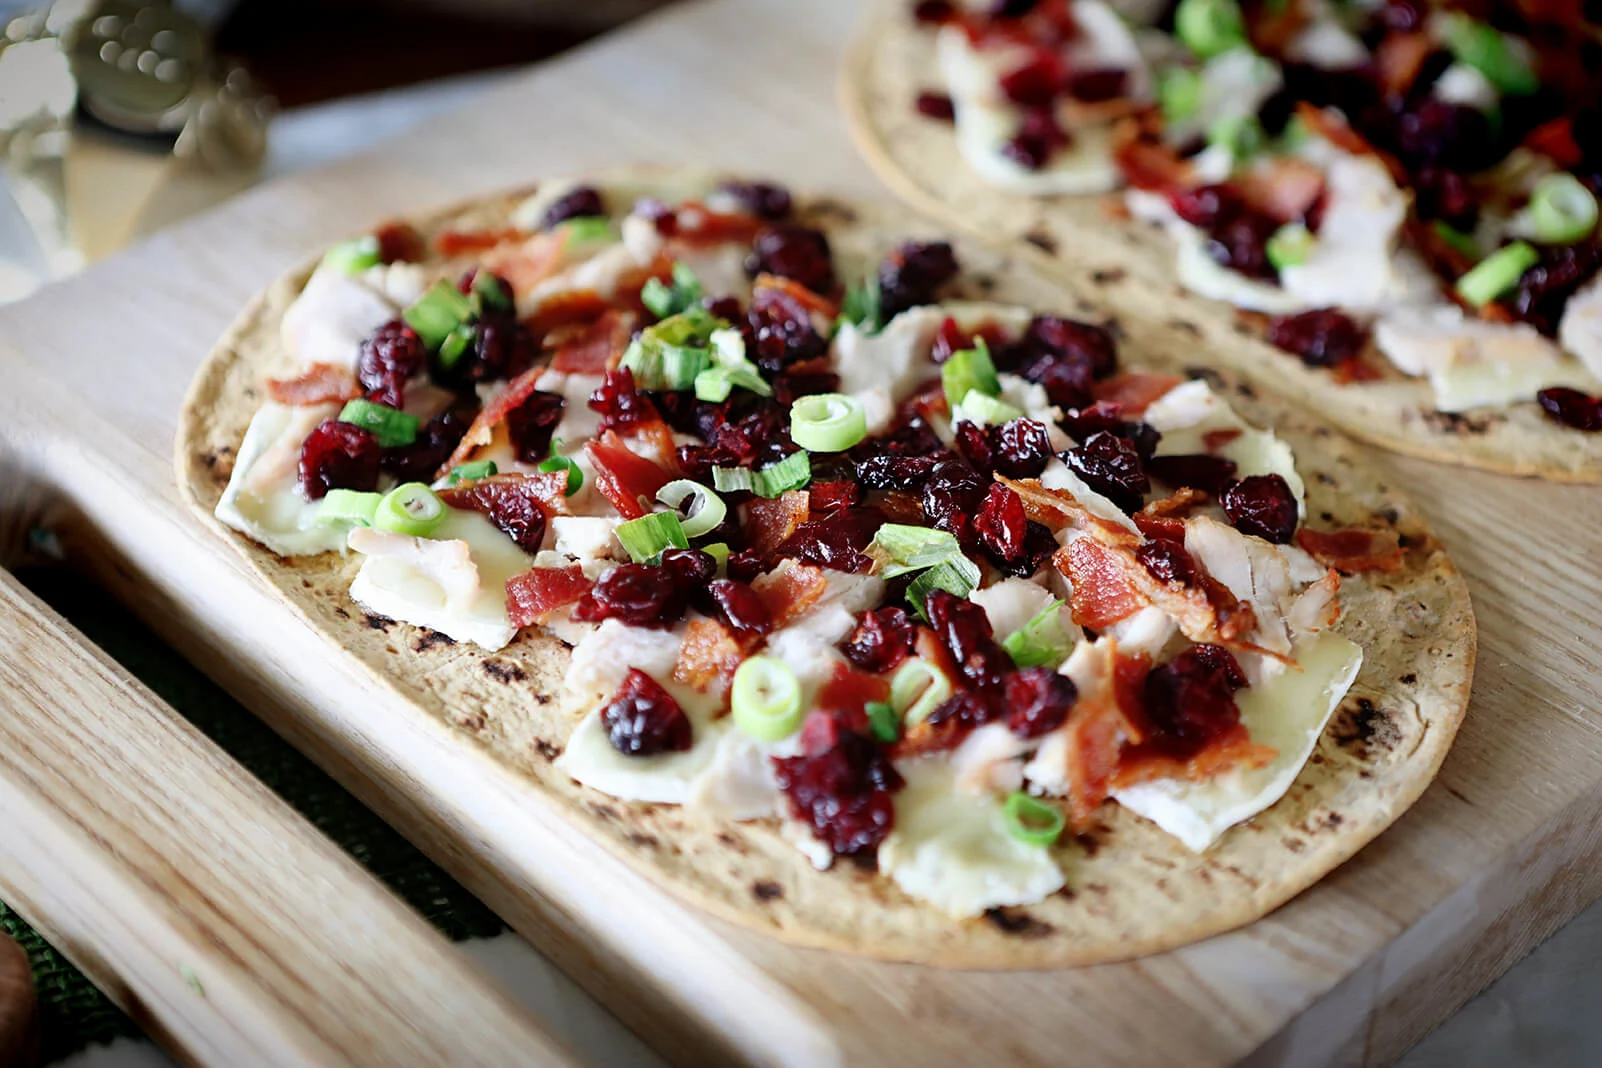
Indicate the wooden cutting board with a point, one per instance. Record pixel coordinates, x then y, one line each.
1499 853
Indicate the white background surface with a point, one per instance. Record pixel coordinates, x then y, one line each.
1544 1012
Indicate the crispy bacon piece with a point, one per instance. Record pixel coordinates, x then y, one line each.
1167 513
1233 749
1102 593
1555 140
1398 60
567 308
482 432
321 383
1147 162
654 439
527 263
849 690
769 522
461 242
709 656
696 225
1134 390
792 300
1105 718
591 348
1273 26
532 596
1285 188
1351 551
399 242
624 477
789 590
545 488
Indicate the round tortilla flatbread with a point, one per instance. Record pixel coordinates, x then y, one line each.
1093 241
1131 889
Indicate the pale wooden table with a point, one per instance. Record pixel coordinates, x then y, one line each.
1492 859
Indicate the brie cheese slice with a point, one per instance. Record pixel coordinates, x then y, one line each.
263 499
665 778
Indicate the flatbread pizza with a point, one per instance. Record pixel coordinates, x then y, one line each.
1387 212
860 586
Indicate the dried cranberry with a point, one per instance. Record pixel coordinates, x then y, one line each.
1238 234
1021 448
758 438
1544 290
1087 343
1572 408
1038 701
1445 195
582 202
642 719
937 106
779 333
1167 561
746 565
964 629
973 443
912 274
737 604
726 308
637 594
1190 700
1193 470
1083 423
1447 135
762 199
1262 505
530 425
1322 337
952 494
836 541
1039 545
1035 83
1402 16
390 356
434 444
882 639
962 712
934 11
1001 524
800 253
338 456
832 495
1012 9
890 472
1111 466
501 348
790 385
1094 86
842 792
1037 138
399 242
621 405
690 568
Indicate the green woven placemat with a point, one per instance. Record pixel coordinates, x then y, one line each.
74 1014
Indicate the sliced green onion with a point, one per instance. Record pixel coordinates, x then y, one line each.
733 479
1490 52
900 548
1041 642
1497 273
670 354
714 385
488 291
1290 245
471 472
1562 209
1295 134
729 369
389 426
792 472
354 256
862 307
1242 135
348 506
1456 239
883 722
1179 93
1031 820
584 229
456 342
983 410
719 552
575 474
968 370
766 699
958 575
649 536
917 689
706 509
668 300
827 422
438 312
1209 27
410 508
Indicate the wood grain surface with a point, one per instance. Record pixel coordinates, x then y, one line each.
1501 850
225 924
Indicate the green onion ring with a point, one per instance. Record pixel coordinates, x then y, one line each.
1031 820
703 515
917 689
1562 209
410 508
766 699
827 422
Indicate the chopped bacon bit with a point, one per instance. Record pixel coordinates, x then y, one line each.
791 299
653 439
850 690
769 522
532 596
1273 26
1351 551
482 431
624 477
1101 724
1214 440
1355 369
320 383
1284 189
1555 140
696 225
546 488
1134 390
1186 723
528 263
1177 504
1102 594
593 348
398 242
790 589
709 657
900 507
1233 749
461 242
1398 60
1148 162
567 308
1160 527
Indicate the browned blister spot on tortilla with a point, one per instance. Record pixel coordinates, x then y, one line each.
428 640
1018 923
504 672
1043 241
766 890
1104 276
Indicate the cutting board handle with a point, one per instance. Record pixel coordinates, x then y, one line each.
230 929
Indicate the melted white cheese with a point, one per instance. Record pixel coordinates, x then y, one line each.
1287 714
263 499
412 580
590 758
1580 329
1187 413
333 314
